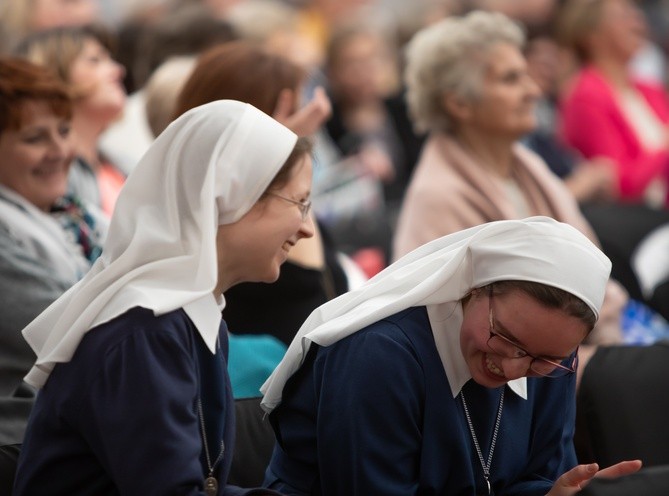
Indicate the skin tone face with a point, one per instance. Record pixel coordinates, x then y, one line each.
621 30
254 248
546 332
35 159
100 77
359 69
51 13
508 96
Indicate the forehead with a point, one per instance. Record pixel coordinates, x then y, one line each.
502 57
30 111
540 329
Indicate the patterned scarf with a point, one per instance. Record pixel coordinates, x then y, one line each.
80 225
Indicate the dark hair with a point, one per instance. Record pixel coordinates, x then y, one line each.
239 70
550 297
304 146
187 29
21 82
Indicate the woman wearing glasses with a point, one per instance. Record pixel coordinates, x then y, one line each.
135 396
451 372
312 274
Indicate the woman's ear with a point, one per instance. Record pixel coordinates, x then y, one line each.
458 107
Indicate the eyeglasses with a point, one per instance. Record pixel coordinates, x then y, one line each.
304 205
508 349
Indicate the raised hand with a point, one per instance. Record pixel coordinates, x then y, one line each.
574 480
306 120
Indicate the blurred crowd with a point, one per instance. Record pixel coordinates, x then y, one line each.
422 127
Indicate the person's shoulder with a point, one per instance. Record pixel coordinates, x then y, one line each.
139 323
400 327
140 317
588 83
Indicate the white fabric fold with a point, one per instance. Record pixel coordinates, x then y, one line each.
209 167
443 271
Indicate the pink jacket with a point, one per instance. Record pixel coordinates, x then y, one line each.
593 123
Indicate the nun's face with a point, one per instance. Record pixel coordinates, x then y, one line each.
518 318
253 248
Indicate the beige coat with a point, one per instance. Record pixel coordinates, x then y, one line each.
450 191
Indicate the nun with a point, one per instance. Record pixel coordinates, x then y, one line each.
134 393
450 372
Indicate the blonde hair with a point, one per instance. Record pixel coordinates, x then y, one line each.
15 15
575 21
162 90
448 58
58 48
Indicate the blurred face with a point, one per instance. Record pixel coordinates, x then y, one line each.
100 79
541 331
254 248
35 159
359 69
53 13
621 29
543 64
506 105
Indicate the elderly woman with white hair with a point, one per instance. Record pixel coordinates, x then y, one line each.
135 396
469 88
451 372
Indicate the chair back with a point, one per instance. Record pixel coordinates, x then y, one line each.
622 406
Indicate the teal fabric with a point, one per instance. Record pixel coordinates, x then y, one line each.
252 358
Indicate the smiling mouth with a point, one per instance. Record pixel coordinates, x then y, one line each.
287 246
492 368
49 171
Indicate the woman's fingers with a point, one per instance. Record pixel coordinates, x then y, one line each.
574 480
620 469
306 120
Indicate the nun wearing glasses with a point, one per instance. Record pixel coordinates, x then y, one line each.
135 397
449 373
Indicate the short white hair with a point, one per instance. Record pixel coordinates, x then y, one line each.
449 57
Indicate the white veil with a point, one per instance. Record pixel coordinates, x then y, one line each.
209 167
442 272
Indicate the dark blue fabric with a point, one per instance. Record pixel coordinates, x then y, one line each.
373 414
121 417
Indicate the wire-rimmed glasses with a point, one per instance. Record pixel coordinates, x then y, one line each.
542 366
304 205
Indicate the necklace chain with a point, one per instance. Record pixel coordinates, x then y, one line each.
210 466
484 465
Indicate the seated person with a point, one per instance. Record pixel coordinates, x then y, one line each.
451 372
48 239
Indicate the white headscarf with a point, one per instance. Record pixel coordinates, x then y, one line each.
442 272
209 167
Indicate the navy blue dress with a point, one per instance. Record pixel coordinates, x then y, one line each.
122 416
373 414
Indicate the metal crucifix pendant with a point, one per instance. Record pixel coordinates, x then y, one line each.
210 486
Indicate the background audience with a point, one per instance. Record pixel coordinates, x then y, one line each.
81 57
468 86
587 94
48 239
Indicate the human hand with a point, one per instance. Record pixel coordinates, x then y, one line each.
306 120
595 180
577 478
376 161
